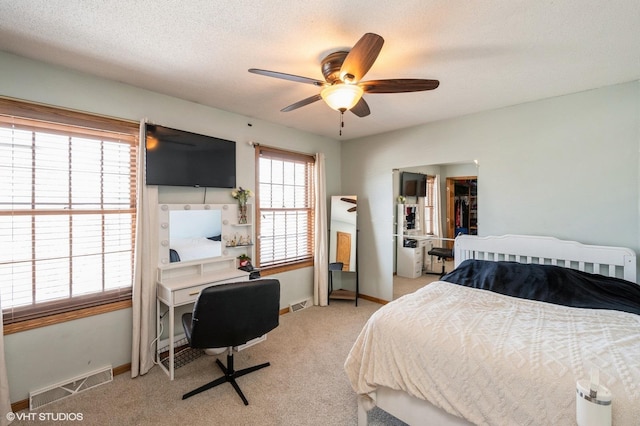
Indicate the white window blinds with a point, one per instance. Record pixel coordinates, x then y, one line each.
67 213
285 207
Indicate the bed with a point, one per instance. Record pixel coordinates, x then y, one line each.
470 353
186 249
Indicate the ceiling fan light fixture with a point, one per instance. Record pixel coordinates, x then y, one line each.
342 97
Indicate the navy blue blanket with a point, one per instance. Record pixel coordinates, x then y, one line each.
548 283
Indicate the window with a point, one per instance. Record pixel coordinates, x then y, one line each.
430 205
67 210
285 208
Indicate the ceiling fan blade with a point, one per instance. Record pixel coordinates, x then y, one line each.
290 77
398 85
348 200
302 103
361 109
352 209
361 58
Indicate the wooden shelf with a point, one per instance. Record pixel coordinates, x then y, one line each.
343 295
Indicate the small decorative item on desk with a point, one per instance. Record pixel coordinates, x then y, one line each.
242 195
401 199
244 263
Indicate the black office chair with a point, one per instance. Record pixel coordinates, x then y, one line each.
229 315
443 254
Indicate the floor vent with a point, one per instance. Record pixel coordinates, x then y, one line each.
70 387
298 306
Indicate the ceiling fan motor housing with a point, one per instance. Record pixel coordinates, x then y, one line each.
331 65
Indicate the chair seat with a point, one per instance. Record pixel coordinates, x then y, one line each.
441 252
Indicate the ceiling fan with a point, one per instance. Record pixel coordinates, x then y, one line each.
343 71
352 201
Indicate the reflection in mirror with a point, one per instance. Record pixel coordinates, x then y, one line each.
438 217
194 234
343 231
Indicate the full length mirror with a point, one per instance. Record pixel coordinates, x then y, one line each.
343 231
432 204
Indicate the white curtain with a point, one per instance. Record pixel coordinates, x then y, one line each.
320 271
146 262
5 402
437 208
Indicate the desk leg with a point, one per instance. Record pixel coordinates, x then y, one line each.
171 343
158 319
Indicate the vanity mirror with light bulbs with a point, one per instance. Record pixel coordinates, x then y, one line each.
200 238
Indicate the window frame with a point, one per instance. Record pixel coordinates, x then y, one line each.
283 154
429 206
54 120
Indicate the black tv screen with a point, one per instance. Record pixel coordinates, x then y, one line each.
179 158
413 184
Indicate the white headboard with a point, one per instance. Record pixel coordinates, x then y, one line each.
610 261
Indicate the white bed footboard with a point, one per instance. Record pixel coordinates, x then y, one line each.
617 262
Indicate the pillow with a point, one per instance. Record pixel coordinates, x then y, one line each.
548 283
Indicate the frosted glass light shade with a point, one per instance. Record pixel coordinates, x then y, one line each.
342 97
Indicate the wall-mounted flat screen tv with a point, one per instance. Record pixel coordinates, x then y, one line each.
413 184
180 158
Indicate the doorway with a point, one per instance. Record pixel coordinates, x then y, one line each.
343 249
462 206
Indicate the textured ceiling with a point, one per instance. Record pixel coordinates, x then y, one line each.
487 54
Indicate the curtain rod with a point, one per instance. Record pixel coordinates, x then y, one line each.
275 148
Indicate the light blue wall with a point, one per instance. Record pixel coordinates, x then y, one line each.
38 358
566 167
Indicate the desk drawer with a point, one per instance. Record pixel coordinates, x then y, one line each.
190 294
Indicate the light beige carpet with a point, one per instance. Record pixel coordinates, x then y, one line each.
305 384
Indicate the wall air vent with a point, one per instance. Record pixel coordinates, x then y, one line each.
298 306
69 387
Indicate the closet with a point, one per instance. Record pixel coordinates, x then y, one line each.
462 206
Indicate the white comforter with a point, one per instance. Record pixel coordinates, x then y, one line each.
495 359
196 248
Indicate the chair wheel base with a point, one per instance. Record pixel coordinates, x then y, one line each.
230 375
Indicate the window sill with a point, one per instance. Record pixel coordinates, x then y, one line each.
64 317
285 268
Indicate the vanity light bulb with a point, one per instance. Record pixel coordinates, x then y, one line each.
187 207
164 243
164 225
164 207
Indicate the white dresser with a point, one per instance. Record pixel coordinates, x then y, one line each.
410 261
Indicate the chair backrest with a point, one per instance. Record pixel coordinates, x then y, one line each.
336 266
232 314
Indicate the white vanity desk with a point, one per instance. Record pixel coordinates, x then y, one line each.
178 286
180 283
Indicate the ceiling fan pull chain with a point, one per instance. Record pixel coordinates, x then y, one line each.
341 121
